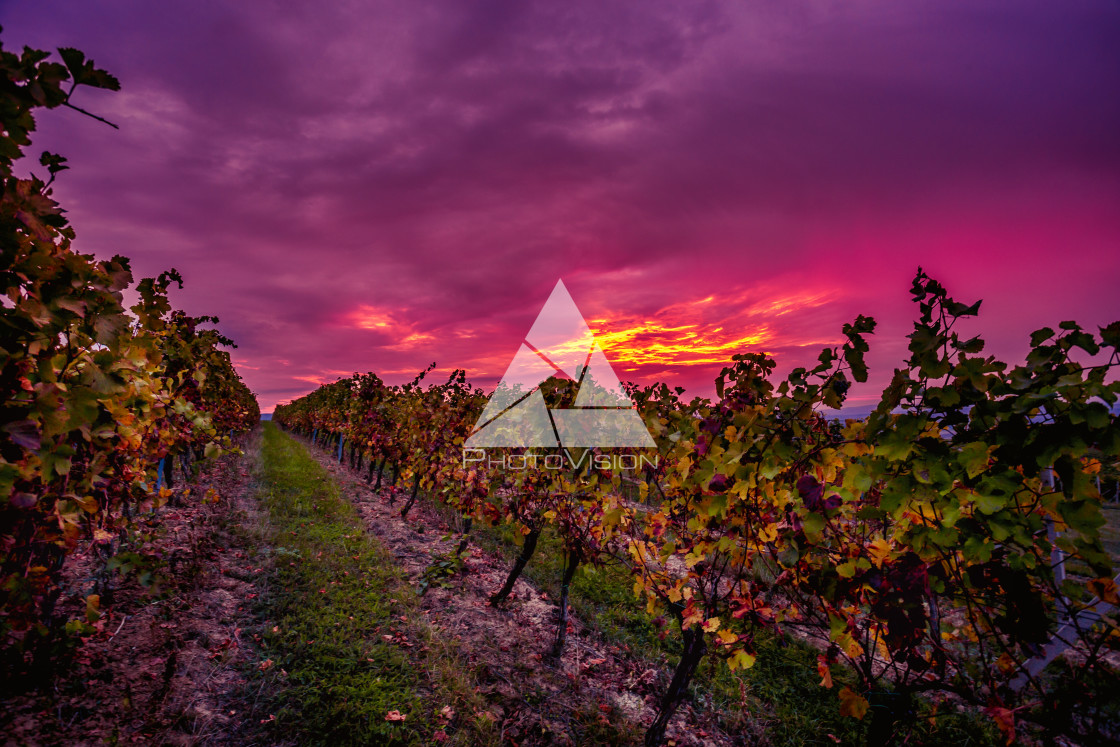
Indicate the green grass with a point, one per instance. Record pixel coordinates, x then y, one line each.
333 593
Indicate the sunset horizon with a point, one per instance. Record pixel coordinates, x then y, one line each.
373 190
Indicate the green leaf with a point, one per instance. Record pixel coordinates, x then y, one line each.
1110 335
1040 336
717 505
83 71
989 503
54 162
813 525
974 458
1082 515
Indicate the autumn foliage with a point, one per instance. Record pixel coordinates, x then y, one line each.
922 549
93 396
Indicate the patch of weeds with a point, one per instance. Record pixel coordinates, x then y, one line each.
442 569
600 723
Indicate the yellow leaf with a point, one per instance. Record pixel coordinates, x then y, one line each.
726 637
829 474
740 660
852 704
674 594
711 625
881 647
93 608
769 533
855 449
879 550
850 645
88 503
692 619
1105 588
683 466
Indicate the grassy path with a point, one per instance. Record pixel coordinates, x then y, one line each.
345 652
591 696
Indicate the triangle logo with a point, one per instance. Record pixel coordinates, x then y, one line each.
560 342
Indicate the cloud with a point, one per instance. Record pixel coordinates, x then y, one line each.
441 165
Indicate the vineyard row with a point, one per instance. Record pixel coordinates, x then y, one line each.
934 548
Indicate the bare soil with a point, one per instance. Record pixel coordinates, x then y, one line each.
165 664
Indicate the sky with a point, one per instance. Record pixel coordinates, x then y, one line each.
378 186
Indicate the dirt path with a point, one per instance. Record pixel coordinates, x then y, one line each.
607 691
165 664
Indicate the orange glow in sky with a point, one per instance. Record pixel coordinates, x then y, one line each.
707 331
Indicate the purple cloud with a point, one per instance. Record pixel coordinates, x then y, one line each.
442 165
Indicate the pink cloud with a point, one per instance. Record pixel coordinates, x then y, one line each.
317 173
